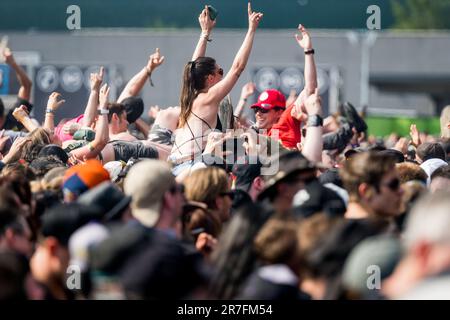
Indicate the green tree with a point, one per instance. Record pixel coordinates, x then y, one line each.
421 14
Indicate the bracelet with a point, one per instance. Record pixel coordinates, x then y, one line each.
314 121
311 51
48 110
103 111
149 73
206 36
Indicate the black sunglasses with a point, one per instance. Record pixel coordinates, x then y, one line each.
262 110
394 184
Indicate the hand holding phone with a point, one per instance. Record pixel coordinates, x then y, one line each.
212 12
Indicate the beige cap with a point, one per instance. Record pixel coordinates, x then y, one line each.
146 183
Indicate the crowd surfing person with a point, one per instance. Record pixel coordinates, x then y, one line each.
204 86
152 211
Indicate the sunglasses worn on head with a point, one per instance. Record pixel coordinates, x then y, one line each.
394 184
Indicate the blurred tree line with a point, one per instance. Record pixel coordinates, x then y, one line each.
421 14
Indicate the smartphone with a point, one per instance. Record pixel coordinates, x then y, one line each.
212 12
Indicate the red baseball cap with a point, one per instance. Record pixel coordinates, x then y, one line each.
270 99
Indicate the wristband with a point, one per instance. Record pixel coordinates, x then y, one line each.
149 73
48 110
311 51
314 121
90 146
102 111
206 36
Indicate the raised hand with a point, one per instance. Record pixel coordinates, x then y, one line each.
297 113
303 39
415 135
8 56
154 61
53 101
402 145
205 22
247 90
15 149
253 18
20 113
96 79
103 96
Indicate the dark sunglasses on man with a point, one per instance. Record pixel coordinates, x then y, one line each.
264 111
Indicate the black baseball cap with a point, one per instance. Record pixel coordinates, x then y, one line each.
246 172
62 220
108 199
134 107
315 198
394 154
54 150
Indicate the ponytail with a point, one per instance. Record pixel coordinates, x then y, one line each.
194 77
188 93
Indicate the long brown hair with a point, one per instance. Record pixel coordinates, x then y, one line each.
194 77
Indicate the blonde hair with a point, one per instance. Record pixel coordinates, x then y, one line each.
206 185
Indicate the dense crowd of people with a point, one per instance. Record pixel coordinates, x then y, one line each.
199 201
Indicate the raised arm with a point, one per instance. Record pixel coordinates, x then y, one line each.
222 88
94 148
96 80
310 73
52 105
135 85
304 41
247 90
207 25
21 115
312 148
25 82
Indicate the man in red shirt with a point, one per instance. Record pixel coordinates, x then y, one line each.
271 110
271 114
